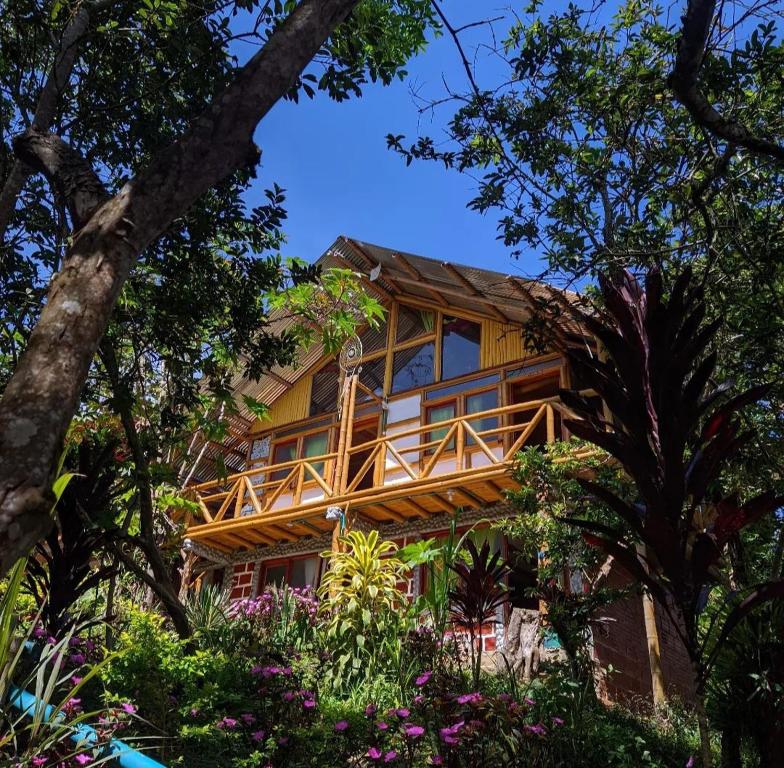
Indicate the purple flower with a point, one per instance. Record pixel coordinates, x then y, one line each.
228 724
390 756
558 721
75 642
72 706
248 718
469 698
374 753
418 699
690 762
423 679
370 711
128 708
195 711
283 741
436 760
537 729
78 659
288 695
402 713
529 701
38 633
257 736
37 759
414 731
309 704
341 725
382 726
75 679
83 759
449 735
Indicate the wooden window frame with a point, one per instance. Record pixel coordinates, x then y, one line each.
288 561
299 438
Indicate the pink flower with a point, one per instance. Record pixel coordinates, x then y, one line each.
37 760
228 724
381 725
72 706
128 708
371 710
248 718
418 700
374 753
75 679
557 721
257 736
414 731
287 695
402 713
469 698
423 679
690 762
529 701
436 760
310 704
537 729
83 759
449 735
390 756
341 725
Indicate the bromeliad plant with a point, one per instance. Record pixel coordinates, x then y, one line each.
361 604
674 433
476 596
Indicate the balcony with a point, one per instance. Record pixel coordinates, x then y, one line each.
461 462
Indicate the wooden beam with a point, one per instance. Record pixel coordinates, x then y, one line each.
370 262
396 516
451 270
445 505
417 275
366 281
487 301
277 377
472 498
419 510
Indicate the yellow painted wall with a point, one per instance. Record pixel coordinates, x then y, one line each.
291 406
501 344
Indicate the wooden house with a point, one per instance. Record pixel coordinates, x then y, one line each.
424 422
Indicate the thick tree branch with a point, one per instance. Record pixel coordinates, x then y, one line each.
684 81
46 108
43 393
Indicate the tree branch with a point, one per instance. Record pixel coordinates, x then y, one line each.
44 391
46 108
684 81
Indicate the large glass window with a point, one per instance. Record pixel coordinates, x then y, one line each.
482 401
304 572
283 452
372 376
413 323
441 413
413 367
315 445
373 339
459 347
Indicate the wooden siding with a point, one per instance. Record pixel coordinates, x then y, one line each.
291 406
501 344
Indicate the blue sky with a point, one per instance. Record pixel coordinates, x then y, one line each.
340 178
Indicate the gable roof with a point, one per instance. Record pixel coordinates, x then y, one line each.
389 274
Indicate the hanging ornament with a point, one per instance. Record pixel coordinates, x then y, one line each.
349 361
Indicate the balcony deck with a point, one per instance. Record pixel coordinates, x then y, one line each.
414 473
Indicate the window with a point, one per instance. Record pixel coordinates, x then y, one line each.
372 376
297 572
438 413
307 446
282 453
324 390
315 445
459 347
413 323
373 339
413 367
464 405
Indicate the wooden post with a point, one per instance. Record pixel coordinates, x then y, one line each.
349 416
652 641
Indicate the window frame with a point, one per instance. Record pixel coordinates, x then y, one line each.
288 562
299 439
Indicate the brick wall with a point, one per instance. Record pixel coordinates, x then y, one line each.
242 580
620 641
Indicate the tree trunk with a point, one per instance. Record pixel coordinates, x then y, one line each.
44 391
704 728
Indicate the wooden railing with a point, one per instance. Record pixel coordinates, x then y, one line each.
259 490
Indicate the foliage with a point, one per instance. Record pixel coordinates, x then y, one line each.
477 595
362 604
549 492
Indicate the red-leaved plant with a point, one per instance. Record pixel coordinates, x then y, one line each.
674 433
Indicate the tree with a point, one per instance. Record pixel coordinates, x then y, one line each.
674 433
111 231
